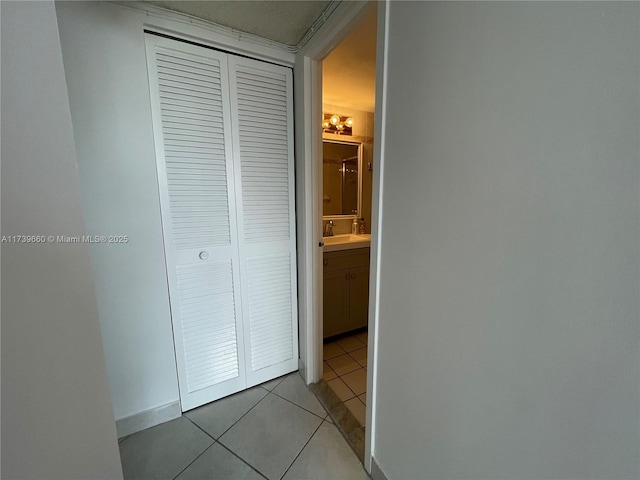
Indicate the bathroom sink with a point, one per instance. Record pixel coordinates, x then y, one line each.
344 239
346 242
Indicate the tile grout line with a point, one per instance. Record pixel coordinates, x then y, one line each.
356 396
302 449
201 429
357 339
243 460
349 353
257 403
201 453
349 356
349 387
335 356
245 413
341 349
300 406
268 393
282 377
350 371
223 446
344 402
346 385
341 377
232 425
330 368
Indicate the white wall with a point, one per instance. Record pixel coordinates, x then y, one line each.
105 63
57 420
509 296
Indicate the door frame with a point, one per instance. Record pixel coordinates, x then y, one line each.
308 137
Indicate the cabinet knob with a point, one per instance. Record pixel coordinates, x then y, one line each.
204 255
346 276
353 275
325 262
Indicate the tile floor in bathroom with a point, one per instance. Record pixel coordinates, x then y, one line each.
345 371
277 430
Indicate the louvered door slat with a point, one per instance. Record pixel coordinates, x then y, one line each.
222 318
182 119
210 114
192 104
263 99
190 160
173 88
172 79
262 134
264 139
269 288
255 127
186 70
257 76
186 80
192 130
263 131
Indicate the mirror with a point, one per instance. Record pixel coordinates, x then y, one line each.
340 178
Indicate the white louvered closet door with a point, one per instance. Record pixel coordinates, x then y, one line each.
192 131
223 129
262 119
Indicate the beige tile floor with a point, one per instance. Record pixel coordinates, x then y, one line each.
277 430
345 371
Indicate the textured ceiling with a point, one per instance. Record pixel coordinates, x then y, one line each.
349 72
282 21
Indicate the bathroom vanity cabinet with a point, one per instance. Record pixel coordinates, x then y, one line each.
346 291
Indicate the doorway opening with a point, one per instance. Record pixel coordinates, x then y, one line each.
345 172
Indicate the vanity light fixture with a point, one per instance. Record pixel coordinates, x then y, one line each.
339 124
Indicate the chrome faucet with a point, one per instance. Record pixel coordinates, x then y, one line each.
328 229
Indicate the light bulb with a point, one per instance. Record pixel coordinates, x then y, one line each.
334 119
349 122
325 124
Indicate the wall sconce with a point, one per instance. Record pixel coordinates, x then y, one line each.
338 124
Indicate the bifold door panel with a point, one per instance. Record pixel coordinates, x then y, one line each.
223 136
262 116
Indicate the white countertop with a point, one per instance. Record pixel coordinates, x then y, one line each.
346 242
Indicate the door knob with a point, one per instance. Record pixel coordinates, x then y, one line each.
204 255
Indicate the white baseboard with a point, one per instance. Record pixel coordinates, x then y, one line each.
148 418
376 472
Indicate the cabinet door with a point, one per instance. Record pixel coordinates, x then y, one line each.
358 297
262 121
335 302
192 131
